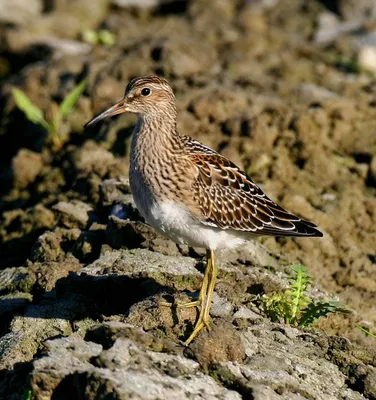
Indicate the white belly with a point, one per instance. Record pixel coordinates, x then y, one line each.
179 225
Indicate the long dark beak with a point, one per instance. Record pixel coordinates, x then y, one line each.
118 108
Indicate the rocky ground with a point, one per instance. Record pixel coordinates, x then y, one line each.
287 90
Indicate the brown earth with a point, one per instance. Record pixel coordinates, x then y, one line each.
251 82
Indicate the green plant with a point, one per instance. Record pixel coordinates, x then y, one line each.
28 395
52 120
103 37
366 331
348 64
294 306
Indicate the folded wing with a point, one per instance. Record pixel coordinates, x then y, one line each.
229 199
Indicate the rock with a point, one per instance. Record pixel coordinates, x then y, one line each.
20 11
220 307
28 331
143 275
88 246
330 27
310 93
222 344
258 358
115 191
185 59
13 279
177 272
136 3
92 158
14 302
65 356
370 383
163 321
356 9
125 370
61 47
244 313
58 27
127 362
218 103
107 333
367 58
20 229
73 214
132 234
279 367
237 68
46 274
26 166
50 245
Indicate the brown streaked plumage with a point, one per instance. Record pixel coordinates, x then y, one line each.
189 192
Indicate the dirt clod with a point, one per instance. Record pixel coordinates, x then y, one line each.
280 88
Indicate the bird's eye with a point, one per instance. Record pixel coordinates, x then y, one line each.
145 91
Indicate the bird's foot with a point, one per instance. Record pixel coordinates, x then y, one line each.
203 319
204 299
189 304
202 322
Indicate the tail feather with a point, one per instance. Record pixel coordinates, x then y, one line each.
301 228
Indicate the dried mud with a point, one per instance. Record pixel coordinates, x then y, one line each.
251 83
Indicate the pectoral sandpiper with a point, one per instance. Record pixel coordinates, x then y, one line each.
189 192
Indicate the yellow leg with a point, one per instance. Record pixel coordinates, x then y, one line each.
204 317
211 287
201 296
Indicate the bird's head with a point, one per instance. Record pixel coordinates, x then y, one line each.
148 96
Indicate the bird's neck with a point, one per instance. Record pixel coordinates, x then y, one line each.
155 134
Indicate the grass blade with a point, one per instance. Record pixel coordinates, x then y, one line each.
71 99
367 332
32 112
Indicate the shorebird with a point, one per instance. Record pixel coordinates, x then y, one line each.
191 193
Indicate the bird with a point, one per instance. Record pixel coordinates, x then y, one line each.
189 192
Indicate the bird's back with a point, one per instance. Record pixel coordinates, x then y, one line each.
228 199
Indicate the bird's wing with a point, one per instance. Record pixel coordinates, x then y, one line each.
228 199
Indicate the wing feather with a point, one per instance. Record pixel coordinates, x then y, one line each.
229 199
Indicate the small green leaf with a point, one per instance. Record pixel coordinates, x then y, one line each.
54 117
106 37
278 306
298 285
90 36
28 395
319 309
71 99
32 112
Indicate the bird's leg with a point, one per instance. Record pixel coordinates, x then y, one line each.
210 291
204 317
202 294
